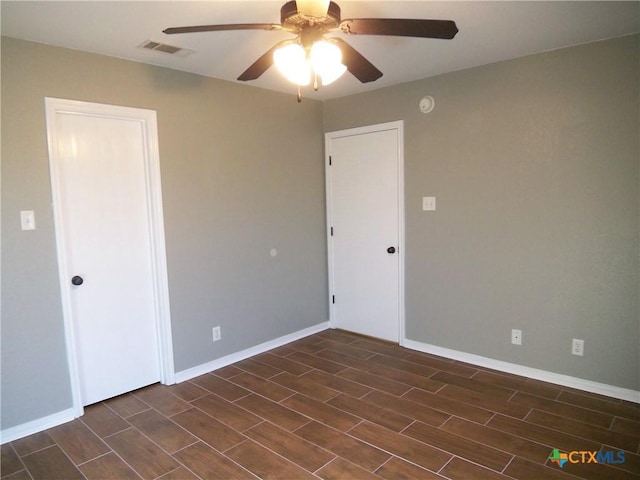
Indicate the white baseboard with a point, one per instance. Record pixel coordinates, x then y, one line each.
249 352
35 426
545 376
50 421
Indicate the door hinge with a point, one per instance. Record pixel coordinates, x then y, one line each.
333 299
332 231
329 160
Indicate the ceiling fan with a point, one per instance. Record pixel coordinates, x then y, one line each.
310 55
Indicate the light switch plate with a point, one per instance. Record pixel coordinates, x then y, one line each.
429 204
27 220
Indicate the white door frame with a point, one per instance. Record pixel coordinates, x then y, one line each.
328 137
147 120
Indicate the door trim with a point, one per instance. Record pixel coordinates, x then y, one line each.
147 119
329 136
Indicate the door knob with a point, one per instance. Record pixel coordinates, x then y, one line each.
391 250
77 280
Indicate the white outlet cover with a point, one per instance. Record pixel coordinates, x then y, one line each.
429 204
577 347
217 334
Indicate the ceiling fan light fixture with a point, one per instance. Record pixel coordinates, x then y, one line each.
291 61
324 60
310 20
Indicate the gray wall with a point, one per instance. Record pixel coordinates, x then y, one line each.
242 172
534 163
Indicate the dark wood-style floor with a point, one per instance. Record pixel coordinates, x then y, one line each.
337 406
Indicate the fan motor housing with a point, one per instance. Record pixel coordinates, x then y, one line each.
292 19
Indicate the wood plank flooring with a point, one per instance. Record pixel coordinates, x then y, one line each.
338 406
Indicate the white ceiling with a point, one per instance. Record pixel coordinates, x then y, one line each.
489 32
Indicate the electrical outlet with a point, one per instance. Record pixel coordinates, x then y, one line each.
429 204
516 337
577 347
216 334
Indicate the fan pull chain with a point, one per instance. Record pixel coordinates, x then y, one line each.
299 95
315 81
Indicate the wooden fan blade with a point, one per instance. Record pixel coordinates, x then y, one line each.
400 27
358 66
220 28
261 65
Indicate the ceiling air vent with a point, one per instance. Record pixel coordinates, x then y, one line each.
164 48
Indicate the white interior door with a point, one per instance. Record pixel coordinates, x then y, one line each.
100 163
364 193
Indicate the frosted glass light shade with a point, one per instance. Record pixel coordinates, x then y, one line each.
326 60
331 75
291 61
313 8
